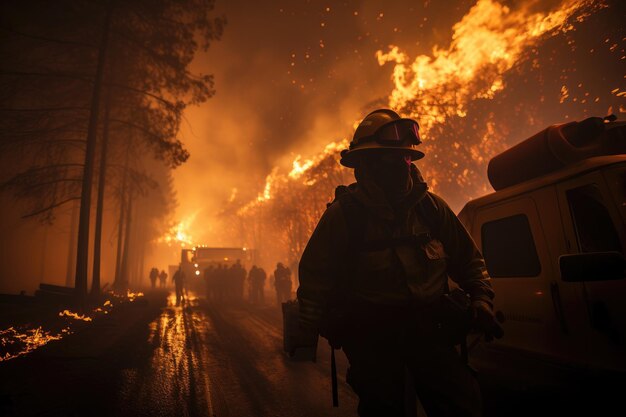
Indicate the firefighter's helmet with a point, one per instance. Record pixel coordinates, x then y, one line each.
383 129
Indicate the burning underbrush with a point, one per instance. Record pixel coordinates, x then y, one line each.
46 324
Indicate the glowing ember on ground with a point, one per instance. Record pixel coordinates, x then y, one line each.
133 296
76 316
14 343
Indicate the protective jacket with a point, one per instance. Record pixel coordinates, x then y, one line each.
400 259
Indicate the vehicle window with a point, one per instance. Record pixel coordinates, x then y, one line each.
509 248
594 228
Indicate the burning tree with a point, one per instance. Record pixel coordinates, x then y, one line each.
450 92
458 96
280 220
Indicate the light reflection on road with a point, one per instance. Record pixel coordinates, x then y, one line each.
226 360
175 381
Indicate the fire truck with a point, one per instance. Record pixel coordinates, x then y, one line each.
195 260
553 235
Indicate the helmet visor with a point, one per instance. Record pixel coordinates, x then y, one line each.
398 132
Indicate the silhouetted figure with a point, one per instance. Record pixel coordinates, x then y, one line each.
239 279
229 282
256 279
209 281
179 283
154 274
282 283
163 279
262 277
373 275
219 283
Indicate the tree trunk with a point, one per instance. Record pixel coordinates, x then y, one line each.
97 246
71 254
117 284
140 237
125 256
120 243
82 253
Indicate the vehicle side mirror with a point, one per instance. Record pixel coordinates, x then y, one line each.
595 266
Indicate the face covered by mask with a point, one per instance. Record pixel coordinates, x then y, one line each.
390 169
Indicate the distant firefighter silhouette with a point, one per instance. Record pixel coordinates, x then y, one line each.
163 279
154 274
282 283
179 284
256 278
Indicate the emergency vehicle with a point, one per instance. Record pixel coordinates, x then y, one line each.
553 235
195 260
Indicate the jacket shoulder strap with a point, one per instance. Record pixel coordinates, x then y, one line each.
354 215
428 212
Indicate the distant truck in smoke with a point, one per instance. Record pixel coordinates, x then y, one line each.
553 235
195 260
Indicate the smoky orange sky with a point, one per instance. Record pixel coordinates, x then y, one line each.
292 76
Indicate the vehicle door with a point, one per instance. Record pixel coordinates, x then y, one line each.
594 211
513 242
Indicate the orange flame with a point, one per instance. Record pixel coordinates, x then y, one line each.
437 90
179 234
486 43
132 296
76 316
300 168
23 343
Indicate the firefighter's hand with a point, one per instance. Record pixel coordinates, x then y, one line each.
484 320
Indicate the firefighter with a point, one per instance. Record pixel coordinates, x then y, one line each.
219 282
282 283
154 273
239 278
262 277
179 283
162 278
252 289
209 281
286 282
374 273
256 279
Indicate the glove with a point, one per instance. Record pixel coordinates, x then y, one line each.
484 320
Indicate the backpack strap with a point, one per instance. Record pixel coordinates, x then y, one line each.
354 215
428 212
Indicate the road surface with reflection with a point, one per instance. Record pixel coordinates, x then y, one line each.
217 360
